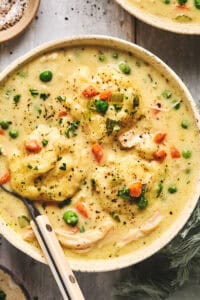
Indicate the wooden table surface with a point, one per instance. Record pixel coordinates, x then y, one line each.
62 18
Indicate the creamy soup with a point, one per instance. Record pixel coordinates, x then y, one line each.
102 143
183 11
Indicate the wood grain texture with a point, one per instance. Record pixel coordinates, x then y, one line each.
180 52
61 18
58 19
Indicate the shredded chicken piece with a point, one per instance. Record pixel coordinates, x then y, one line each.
152 222
143 143
80 242
28 234
136 233
86 240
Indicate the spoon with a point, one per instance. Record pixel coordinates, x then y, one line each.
52 250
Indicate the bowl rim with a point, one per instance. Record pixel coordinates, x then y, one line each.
101 265
161 23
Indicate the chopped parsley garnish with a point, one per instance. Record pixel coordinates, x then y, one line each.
124 193
44 142
16 99
117 107
115 216
61 99
71 130
136 101
93 184
34 92
141 201
167 94
112 126
82 229
159 189
63 167
44 96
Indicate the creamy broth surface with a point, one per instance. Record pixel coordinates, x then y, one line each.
179 11
104 140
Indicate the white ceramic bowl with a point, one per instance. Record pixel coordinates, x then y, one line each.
166 24
141 254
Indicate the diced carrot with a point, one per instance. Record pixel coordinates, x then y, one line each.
5 178
159 137
160 155
33 146
135 189
174 152
106 95
1 132
80 206
90 92
97 151
183 7
62 113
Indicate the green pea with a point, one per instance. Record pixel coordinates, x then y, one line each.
101 106
172 189
124 68
46 76
185 124
13 133
186 154
4 124
70 217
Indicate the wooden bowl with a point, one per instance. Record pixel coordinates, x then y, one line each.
161 23
13 31
102 265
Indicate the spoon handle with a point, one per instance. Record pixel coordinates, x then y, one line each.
56 259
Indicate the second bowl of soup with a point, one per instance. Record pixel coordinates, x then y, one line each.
172 15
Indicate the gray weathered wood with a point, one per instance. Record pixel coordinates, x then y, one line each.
61 18
180 52
57 19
